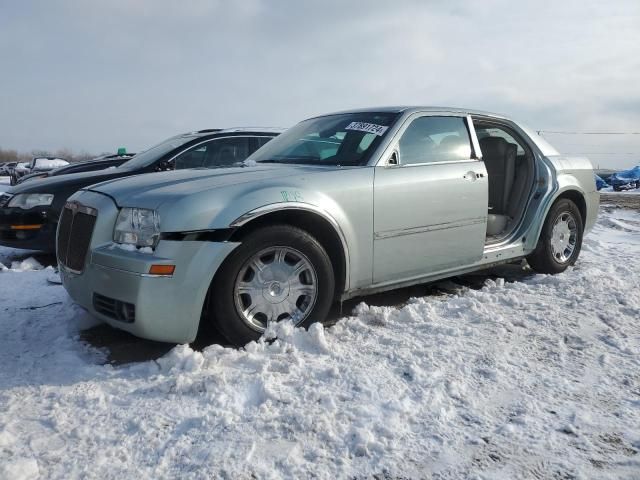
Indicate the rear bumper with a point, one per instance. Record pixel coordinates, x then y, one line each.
18 228
162 308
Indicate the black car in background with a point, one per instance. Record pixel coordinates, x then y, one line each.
29 212
100 163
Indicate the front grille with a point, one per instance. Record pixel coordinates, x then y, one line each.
112 308
75 228
4 199
64 229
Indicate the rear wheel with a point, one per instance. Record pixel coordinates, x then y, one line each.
560 240
277 273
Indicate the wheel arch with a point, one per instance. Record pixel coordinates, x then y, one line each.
573 193
318 223
576 197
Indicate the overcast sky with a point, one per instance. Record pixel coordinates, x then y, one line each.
96 75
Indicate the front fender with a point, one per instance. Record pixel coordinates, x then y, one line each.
344 198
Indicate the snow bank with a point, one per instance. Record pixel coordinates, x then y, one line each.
536 378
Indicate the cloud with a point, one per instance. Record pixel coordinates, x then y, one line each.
94 75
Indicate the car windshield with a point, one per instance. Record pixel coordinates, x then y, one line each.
146 158
342 139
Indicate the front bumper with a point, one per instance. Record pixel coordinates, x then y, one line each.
18 228
163 308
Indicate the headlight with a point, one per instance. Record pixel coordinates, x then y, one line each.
137 226
30 200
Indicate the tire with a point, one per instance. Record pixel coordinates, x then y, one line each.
550 256
241 291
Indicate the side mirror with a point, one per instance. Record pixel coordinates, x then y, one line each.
394 159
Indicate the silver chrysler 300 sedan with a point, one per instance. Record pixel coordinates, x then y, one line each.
338 206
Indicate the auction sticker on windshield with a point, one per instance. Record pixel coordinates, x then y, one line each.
367 127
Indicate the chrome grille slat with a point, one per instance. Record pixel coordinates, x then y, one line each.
75 229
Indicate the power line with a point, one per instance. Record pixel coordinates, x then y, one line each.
604 153
557 132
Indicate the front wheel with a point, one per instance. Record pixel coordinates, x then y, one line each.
560 240
277 273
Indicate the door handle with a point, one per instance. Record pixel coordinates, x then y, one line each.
470 176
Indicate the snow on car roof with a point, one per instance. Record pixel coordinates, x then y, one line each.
50 162
277 130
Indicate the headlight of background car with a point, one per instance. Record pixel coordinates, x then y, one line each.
30 200
137 226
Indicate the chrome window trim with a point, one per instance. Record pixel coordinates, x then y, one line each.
475 143
445 162
401 126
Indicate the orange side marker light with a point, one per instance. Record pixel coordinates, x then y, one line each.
26 227
162 269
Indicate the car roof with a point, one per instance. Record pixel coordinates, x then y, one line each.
416 108
237 130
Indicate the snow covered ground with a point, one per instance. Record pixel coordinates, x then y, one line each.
535 378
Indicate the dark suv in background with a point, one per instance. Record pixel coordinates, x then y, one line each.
29 212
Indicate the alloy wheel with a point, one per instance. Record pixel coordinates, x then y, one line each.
564 236
275 284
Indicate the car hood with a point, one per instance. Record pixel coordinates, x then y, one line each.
51 184
153 189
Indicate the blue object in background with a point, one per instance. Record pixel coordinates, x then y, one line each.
600 183
626 179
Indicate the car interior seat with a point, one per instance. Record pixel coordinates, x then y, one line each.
519 188
499 157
